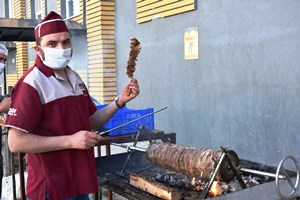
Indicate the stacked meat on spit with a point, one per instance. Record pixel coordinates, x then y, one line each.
135 48
194 162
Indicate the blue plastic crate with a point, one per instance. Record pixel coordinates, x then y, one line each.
126 115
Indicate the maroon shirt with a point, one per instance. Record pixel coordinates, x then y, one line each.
45 104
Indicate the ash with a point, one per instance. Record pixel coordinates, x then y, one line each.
177 180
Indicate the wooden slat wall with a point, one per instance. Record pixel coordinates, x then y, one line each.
21 58
152 9
21 47
59 7
29 8
100 21
3 8
44 8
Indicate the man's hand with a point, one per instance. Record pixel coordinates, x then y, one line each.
101 116
85 140
134 89
5 104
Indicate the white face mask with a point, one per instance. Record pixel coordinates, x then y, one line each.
2 66
57 58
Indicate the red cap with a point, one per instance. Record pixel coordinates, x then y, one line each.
52 23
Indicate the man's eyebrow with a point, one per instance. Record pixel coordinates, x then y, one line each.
51 41
68 39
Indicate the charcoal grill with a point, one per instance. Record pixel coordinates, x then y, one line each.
114 174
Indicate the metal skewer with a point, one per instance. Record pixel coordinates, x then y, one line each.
252 171
106 132
130 147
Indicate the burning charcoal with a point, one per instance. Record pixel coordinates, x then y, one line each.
216 189
172 181
185 182
224 186
171 173
266 179
251 181
167 178
234 186
159 177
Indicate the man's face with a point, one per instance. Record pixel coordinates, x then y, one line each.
56 40
2 58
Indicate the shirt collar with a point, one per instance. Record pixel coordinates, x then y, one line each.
42 67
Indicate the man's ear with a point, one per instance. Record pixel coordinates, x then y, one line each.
38 51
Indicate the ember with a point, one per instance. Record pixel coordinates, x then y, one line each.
216 189
177 180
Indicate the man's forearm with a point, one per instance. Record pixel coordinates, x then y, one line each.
102 116
19 141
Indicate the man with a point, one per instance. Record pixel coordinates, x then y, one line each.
4 100
52 117
4 106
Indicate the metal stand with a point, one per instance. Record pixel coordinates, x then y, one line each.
131 149
293 185
141 130
223 157
130 153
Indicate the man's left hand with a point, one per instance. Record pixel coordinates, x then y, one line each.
129 92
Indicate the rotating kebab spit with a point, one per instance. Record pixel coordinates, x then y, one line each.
210 165
201 163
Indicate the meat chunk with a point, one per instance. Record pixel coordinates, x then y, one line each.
135 48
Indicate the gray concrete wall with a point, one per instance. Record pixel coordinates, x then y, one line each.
243 91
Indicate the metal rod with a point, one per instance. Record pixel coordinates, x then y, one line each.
21 175
130 153
233 168
130 147
212 178
13 176
106 132
252 171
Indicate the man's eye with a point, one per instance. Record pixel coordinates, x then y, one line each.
67 42
52 44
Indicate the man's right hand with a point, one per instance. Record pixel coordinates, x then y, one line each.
5 104
84 139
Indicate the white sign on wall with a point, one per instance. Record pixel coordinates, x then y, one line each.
191 43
